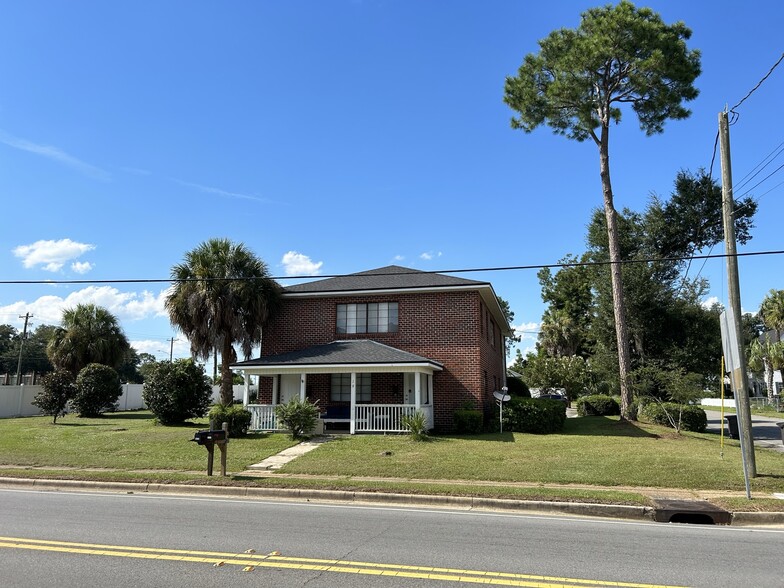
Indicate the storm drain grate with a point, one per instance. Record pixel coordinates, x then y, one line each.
694 512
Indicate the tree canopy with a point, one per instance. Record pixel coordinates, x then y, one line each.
222 294
577 84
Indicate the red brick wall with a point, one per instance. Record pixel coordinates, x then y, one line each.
445 327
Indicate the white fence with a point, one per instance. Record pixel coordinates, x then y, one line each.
16 401
387 418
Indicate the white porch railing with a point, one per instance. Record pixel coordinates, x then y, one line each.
386 418
263 417
370 418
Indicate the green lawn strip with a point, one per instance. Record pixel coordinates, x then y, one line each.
738 504
416 488
123 440
441 489
594 451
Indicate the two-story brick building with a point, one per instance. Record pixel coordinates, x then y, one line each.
374 346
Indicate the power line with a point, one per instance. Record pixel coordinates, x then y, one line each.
754 89
411 272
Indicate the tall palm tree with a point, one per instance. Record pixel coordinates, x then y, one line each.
88 334
759 361
222 294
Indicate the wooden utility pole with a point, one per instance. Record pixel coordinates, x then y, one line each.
740 374
27 316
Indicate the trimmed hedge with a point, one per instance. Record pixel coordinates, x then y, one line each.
468 421
237 417
534 415
693 418
597 405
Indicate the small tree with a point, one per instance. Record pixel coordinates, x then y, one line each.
97 390
416 425
682 388
59 388
298 416
177 391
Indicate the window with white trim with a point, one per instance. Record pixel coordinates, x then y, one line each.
341 387
373 317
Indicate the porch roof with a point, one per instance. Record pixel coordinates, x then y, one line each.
341 356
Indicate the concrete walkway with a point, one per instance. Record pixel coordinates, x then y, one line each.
275 462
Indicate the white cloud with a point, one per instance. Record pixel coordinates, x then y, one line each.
55 154
398 258
710 301
299 264
527 331
124 305
52 255
81 267
428 255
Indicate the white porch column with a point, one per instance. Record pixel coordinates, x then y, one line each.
418 390
246 389
275 389
303 380
352 427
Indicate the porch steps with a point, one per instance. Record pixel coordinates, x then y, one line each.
275 462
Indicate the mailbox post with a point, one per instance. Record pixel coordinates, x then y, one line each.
209 439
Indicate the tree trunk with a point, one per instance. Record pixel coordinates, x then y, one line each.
227 383
768 378
619 307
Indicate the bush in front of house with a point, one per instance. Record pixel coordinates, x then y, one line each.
416 425
58 388
176 391
236 416
98 389
534 415
684 417
597 405
298 416
468 421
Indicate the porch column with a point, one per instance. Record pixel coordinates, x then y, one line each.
246 390
275 389
352 427
303 379
418 390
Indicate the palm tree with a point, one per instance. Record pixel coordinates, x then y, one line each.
772 315
222 295
759 361
89 334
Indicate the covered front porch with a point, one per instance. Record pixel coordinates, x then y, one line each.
359 386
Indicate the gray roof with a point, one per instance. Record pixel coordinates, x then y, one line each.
359 351
392 277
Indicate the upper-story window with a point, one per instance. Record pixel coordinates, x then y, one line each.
373 317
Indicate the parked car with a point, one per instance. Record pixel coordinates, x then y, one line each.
560 397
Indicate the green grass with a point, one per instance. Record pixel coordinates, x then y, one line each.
123 440
599 451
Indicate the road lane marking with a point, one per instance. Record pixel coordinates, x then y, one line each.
274 560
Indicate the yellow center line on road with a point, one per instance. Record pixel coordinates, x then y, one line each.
275 560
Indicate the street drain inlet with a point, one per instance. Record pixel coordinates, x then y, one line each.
694 512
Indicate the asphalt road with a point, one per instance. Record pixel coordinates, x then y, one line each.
763 428
119 540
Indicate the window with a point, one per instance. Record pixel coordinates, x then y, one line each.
491 331
341 387
375 317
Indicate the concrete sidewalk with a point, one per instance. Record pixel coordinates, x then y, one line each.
764 429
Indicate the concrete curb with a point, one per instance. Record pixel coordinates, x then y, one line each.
614 511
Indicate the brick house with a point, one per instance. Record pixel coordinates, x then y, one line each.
374 346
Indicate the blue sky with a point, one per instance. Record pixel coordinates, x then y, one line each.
334 136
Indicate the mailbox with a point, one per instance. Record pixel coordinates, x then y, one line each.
211 436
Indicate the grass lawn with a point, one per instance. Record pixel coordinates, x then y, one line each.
123 440
590 451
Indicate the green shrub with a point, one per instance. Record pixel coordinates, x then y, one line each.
97 390
468 421
416 425
59 388
684 417
298 416
516 387
534 415
597 405
177 391
237 417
